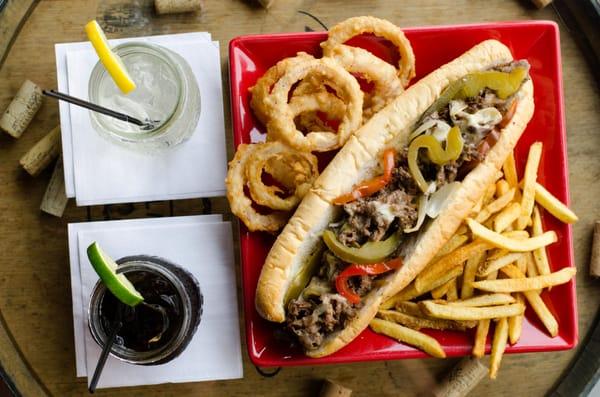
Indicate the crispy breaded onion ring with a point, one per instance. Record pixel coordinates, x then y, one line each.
387 85
263 85
240 204
326 71
351 27
307 113
293 169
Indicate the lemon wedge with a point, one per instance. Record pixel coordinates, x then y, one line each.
111 61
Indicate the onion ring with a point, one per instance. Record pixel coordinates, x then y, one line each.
297 169
240 204
263 85
325 70
351 27
307 114
383 75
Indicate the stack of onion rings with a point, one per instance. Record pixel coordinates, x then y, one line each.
296 171
311 105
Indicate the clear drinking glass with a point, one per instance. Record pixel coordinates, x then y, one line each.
157 330
166 90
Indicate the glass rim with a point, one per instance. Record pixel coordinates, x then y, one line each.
99 334
99 73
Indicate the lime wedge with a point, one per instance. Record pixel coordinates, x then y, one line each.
118 284
111 61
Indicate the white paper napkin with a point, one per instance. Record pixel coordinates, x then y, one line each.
107 173
206 250
61 50
79 311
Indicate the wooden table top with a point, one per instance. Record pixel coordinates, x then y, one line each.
36 333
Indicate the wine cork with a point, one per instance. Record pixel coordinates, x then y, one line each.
55 199
177 6
332 389
266 3
462 378
21 110
595 261
541 3
42 153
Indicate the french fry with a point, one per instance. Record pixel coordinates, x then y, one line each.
450 312
440 291
455 241
510 171
417 323
489 266
500 241
502 187
539 255
536 302
531 268
444 269
517 234
554 205
526 284
483 328
506 217
452 293
489 194
477 208
523 222
521 263
462 229
542 311
408 336
471 267
529 179
497 253
515 323
406 294
498 346
495 206
484 300
411 308
431 281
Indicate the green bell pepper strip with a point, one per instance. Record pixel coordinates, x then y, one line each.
371 252
303 277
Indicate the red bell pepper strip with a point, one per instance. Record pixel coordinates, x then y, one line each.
373 269
508 115
367 188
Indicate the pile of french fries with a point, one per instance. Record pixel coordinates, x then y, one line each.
491 266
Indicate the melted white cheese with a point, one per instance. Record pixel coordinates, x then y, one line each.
385 211
483 118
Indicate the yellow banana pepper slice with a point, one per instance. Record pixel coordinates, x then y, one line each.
435 152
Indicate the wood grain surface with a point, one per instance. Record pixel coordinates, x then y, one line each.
35 297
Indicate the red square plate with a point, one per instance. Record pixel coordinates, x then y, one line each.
538 42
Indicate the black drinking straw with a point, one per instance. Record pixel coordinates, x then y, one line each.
146 125
105 351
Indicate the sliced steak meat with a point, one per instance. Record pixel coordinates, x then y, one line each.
510 66
361 285
369 218
365 222
311 320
